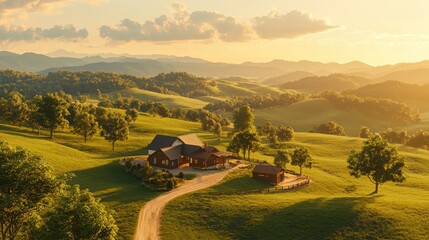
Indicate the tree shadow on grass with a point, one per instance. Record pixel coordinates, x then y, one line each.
337 218
244 181
111 183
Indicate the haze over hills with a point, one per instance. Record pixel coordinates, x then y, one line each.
276 72
332 82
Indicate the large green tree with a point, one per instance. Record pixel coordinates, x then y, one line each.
245 141
26 184
301 157
53 110
281 159
331 127
243 119
377 160
85 125
77 215
115 128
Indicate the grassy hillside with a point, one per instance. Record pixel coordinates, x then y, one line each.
168 100
304 115
244 88
96 166
334 206
333 82
289 77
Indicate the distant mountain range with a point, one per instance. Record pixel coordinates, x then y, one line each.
276 72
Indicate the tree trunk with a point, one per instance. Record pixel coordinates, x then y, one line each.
84 137
300 170
51 136
376 187
248 155
113 145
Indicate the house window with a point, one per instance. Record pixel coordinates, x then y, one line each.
167 162
154 160
163 162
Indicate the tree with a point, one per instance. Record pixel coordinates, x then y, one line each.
364 132
217 130
77 215
285 133
246 142
378 161
273 139
115 128
301 157
53 110
281 159
85 125
331 127
243 119
268 129
17 109
131 115
25 185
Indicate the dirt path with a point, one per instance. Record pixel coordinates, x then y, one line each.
149 222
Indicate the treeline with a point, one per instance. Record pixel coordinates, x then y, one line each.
57 110
256 102
208 120
419 139
85 82
383 108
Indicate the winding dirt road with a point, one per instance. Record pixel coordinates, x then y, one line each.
148 227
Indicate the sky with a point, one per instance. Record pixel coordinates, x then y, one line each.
234 31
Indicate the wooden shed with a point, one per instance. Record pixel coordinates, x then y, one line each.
269 173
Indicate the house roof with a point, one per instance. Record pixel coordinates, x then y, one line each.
267 169
172 152
162 141
191 139
210 149
206 154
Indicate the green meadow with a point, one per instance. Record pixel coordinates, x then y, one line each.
334 206
96 167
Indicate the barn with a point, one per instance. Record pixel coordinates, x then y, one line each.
269 173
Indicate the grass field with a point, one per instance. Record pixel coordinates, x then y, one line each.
334 206
303 116
170 101
96 166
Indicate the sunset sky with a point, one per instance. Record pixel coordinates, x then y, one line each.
375 32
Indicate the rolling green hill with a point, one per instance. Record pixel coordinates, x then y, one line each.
334 206
170 101
289 77
333 82
304 115
96 166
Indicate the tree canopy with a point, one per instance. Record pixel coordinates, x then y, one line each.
377 160
301 157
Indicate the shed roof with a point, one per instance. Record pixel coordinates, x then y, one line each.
172 152
162 141
267 169
191 139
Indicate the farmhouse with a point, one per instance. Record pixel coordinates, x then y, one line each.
269 173
173 152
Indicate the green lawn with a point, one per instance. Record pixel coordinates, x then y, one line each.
96 166
334 206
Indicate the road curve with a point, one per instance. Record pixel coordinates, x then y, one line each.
148 226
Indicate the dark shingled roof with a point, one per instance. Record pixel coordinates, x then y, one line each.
266 169
191 139
161 141
172 152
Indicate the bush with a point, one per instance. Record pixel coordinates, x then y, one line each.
181 175
170 184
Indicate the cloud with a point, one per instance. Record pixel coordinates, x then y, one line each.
289 25
58 32
183 25
14 8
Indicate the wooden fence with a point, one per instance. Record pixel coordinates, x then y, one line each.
266 190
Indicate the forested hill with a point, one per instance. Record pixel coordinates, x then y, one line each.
333 82
30 84
395 90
